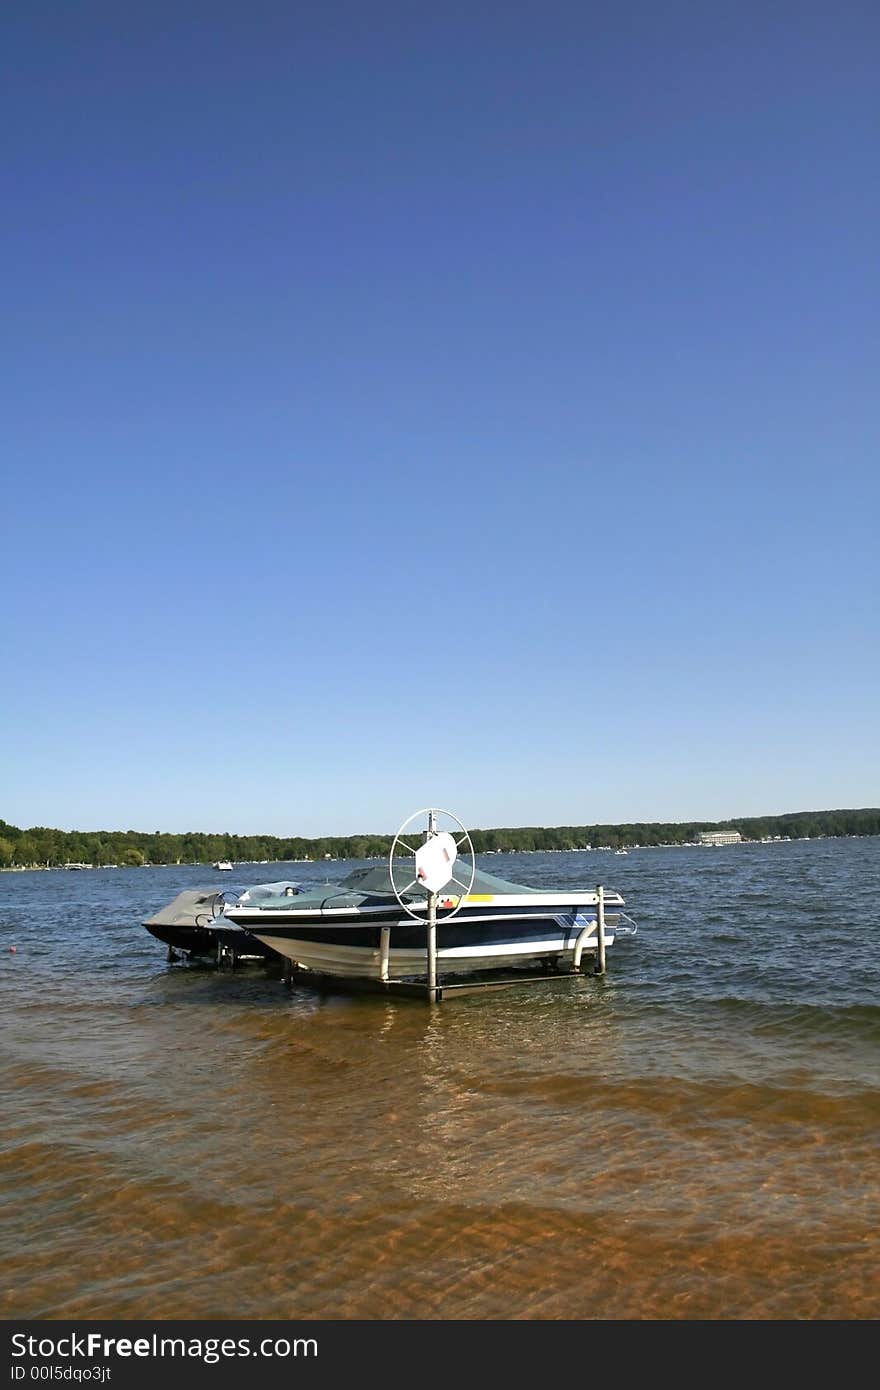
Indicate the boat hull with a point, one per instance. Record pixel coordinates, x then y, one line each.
192 941
466 945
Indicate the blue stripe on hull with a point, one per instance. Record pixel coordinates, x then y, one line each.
411 936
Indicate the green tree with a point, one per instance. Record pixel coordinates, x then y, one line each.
25 852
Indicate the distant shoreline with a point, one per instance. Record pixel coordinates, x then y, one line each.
39 848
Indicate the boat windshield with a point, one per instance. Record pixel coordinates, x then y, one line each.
378 880
373 881
271 892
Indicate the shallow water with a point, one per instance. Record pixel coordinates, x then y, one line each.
694 1135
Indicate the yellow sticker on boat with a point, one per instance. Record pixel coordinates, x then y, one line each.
479 897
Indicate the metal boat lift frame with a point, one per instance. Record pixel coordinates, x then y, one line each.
433 990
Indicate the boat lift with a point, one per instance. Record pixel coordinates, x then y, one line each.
433 867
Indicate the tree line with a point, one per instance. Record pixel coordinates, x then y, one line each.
39 846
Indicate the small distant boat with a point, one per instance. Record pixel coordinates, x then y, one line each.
223 865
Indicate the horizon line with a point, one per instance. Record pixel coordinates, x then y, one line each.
483 829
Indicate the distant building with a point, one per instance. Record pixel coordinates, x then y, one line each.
719 837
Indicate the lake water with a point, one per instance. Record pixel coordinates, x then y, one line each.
694 1135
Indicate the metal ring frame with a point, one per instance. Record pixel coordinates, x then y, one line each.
463 839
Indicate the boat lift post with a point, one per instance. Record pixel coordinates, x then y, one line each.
384 953
599 968
432 921
432 948
434 861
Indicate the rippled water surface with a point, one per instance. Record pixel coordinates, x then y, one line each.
694 1135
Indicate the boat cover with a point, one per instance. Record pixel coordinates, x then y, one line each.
371 884
194 907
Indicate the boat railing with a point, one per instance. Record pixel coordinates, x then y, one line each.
626 926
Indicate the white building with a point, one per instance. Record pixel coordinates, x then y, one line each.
719 837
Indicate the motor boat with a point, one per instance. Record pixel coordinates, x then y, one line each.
364 928
193 925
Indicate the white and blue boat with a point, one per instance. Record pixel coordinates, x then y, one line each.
364 928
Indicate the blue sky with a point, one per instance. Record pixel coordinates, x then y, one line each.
471 405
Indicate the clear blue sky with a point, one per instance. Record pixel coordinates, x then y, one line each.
468 405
